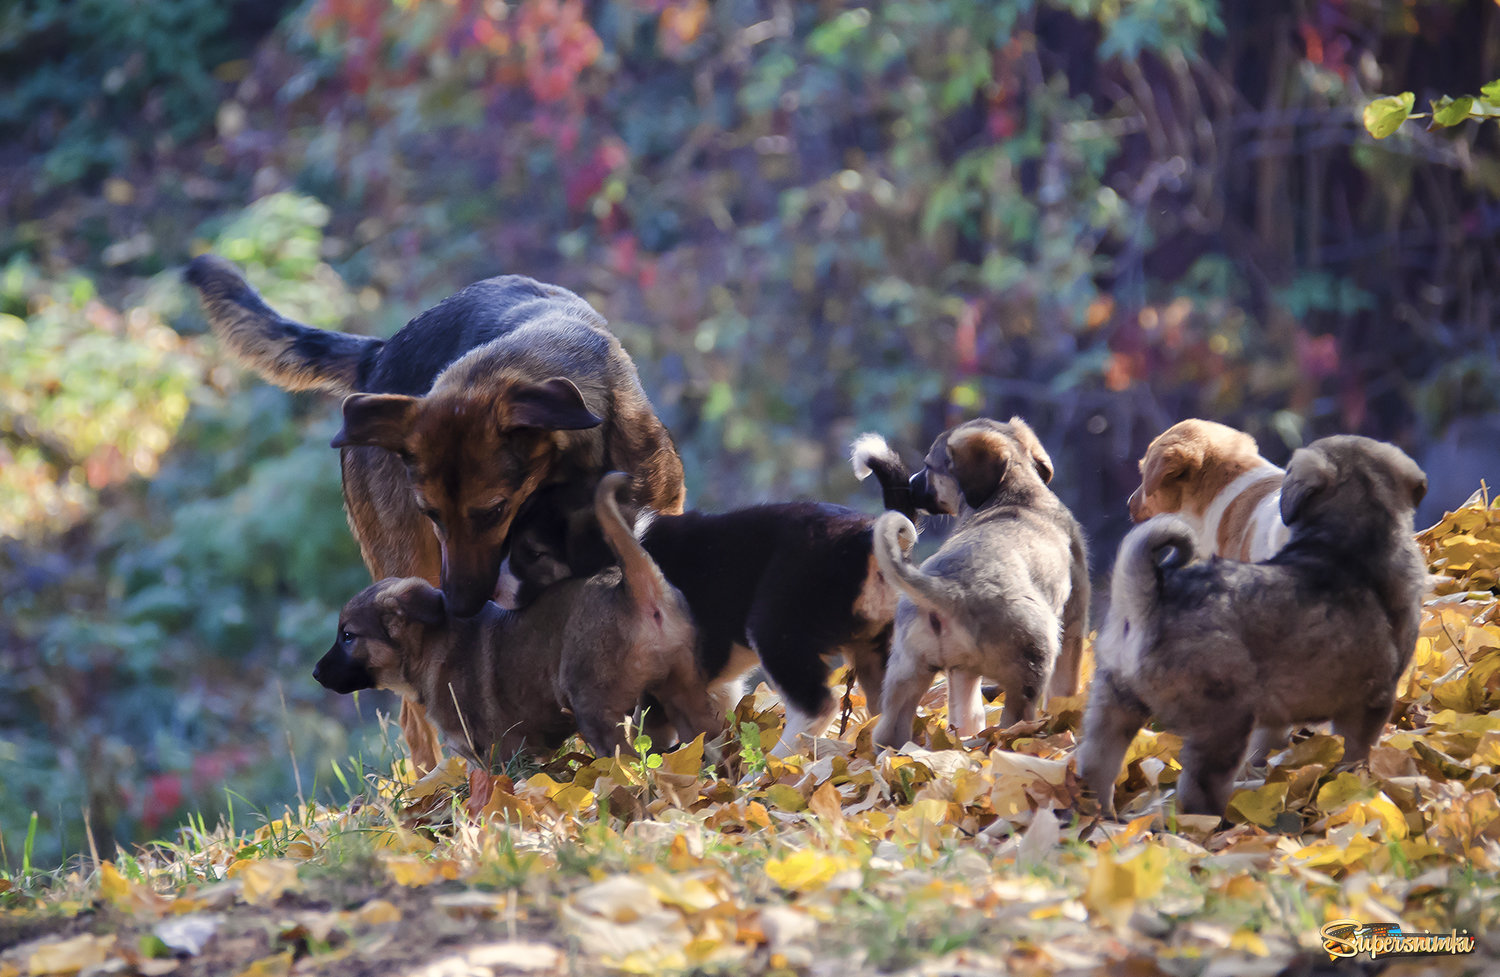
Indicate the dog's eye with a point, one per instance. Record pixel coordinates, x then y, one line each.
491 515
346 637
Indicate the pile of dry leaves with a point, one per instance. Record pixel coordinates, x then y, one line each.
972 857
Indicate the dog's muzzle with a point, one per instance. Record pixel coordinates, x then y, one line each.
922 497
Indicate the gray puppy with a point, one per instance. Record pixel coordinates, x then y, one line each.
1006 596
1212 649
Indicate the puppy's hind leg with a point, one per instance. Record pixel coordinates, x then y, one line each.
906 681
1113 718
1361 731
965 702
1210 759
1029 677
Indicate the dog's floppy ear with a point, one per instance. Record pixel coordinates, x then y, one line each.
1175 459
978 457
412 600
1308 475
376 421
1040 460
555 405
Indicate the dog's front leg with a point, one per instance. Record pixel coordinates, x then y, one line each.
422 738
965 703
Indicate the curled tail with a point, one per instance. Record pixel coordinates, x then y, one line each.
1159 544
894 537
870 455
287 353
642 577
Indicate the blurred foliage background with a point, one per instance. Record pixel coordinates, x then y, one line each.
803 219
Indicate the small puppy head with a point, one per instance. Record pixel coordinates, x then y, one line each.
1179 457
1351 482
380 636
471 460
968 464
555 536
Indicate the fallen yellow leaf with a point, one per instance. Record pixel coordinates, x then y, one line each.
70 956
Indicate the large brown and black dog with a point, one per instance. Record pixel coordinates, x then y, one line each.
451 423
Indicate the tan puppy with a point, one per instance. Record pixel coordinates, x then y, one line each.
1214 478
1006 596
1216 648
503 682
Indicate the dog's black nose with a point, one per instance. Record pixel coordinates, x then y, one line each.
318 673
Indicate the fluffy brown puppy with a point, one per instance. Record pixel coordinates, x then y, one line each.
452 422
503 682
1321 631
1006 596
1215 479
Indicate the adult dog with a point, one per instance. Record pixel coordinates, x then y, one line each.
787 586
1006 596
451 423
1215 479
1321 631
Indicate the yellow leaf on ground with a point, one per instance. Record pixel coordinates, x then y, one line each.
785 798
70 956
276 965
266 880
1259 806
805 869
827 805
686 759
1114 886
130 896
377 912
1346 787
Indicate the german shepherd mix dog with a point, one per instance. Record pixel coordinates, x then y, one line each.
1212 649
452 422
787 586
504 682
1006 596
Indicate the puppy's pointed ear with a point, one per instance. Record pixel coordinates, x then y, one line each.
977 458
412 601
1308 475
554 405
376 421
1040 460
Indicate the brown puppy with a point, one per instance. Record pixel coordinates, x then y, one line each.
456 419
503 682
1321 631
1215 479
1006 596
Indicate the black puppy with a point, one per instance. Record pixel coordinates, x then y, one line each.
786 586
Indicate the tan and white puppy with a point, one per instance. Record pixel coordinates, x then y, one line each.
1213 478
1214 649
1005 597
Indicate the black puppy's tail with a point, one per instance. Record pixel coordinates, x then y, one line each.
1150 551
287 353
870 455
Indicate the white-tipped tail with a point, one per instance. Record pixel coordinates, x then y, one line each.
1159 544
894 536
869 448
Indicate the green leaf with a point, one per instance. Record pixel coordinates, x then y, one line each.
1491 92
1451 111
1385 115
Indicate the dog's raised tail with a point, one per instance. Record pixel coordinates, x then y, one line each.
894 536
1159 544
287 353
871 455
643 578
